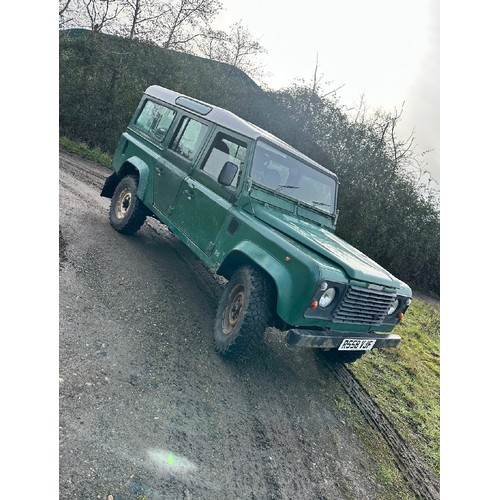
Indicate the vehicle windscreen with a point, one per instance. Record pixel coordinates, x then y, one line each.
285 174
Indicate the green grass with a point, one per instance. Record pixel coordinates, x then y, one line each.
405 381
81 149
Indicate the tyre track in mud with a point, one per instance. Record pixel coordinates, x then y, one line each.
295 440
421 480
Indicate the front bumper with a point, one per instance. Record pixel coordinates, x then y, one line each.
324 339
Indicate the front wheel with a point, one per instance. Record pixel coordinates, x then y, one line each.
127 212
243 312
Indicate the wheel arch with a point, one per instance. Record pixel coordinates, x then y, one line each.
139 168
249 254
133 166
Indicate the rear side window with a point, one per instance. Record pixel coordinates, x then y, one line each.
189 138
155 120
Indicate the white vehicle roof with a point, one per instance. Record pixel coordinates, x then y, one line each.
228 120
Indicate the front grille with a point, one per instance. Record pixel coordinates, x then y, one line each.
363 306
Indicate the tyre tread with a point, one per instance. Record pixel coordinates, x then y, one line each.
256 316
138 212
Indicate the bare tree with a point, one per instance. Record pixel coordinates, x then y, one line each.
102 13
238 48
183 25
212 45
141 17
243 49
68 10
182 21
136 7
63 5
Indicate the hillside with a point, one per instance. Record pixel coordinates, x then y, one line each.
108 74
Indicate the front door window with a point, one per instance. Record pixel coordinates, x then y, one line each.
224 149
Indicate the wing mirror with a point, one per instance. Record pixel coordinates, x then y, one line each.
227 174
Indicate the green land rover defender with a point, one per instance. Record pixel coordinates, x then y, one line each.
259 213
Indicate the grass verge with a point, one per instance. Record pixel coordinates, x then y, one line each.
405 381
81 149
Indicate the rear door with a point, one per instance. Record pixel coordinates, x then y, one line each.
173 167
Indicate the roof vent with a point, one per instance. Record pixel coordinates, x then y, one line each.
192 105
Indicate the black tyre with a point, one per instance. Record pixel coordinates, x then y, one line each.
335 356
243 312
127 212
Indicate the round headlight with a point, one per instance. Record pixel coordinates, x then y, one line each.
393 307
327 298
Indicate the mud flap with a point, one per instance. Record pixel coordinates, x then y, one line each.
110 185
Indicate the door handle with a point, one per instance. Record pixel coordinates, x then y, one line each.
159 171
188 193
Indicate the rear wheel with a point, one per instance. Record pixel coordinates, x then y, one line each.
127 213
243 312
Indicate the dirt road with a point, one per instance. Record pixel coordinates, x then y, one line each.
149 410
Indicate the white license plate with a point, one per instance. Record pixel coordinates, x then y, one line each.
356 345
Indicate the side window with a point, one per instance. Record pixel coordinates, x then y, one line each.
223 149
155 120
189 138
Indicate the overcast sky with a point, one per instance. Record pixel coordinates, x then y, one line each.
386 50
